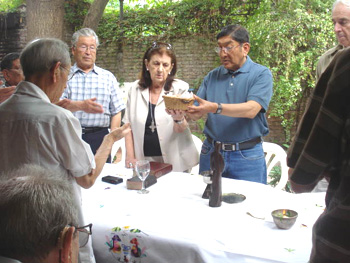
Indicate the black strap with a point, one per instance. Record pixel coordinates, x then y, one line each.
237 146
86 130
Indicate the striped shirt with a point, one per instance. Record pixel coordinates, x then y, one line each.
322 144
98 83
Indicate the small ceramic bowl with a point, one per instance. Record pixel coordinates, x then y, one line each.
284 218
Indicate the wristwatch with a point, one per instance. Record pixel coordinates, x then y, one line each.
179 121
219 109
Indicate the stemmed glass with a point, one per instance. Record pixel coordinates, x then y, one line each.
142 169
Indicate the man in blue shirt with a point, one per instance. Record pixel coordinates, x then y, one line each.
235 97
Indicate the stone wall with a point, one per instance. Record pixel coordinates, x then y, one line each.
195 59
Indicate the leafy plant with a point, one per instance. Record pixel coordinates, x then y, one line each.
288 37
200 127
7 6
75 12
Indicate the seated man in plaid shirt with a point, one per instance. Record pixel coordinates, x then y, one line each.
92 89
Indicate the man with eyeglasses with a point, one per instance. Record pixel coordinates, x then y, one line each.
39 218
88 80
12 73
235 98
35 130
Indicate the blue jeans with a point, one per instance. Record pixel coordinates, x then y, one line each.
246 165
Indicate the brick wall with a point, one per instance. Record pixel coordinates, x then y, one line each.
12 33
195 59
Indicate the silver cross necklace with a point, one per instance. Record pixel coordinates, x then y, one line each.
152 126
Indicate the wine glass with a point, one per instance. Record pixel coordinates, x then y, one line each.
142 169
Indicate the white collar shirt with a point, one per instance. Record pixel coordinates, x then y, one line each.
33 130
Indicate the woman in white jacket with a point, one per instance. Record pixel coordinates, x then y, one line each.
158 134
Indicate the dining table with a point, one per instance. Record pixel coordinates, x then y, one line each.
173 223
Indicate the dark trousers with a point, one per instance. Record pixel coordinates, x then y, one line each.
94 139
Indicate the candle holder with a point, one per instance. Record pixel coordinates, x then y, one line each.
284 218
213 191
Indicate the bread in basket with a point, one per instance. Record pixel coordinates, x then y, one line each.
176 102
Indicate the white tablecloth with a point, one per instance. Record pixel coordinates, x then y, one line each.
177 225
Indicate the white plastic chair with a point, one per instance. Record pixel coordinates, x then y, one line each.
124 88
198 143
120 144
276 155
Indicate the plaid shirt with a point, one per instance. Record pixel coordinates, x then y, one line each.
98 83
322 143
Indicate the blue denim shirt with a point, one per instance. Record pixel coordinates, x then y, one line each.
251 82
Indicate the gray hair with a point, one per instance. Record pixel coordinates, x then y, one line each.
84 32
35 206
40 55
345 2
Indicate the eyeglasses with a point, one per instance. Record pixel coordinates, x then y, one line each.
83 237
16 69
70 75
161 44
84 234
64 68
225 49
85 48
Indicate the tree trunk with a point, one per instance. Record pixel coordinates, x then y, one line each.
45 18
121 10
94 14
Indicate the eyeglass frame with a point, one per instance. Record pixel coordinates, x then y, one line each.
85 48
226 50
16 69
70 76
80 229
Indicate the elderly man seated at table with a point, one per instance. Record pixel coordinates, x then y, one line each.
35 130
39 217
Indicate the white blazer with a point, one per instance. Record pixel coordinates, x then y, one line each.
177 149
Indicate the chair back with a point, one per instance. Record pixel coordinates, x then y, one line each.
275 155
198 143
120 144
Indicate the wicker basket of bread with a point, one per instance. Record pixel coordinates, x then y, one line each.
177 102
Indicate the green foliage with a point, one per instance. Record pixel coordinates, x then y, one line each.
7 6
275 176
165 19
200 123
75 12
288 37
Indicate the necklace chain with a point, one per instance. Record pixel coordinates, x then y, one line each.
153 127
